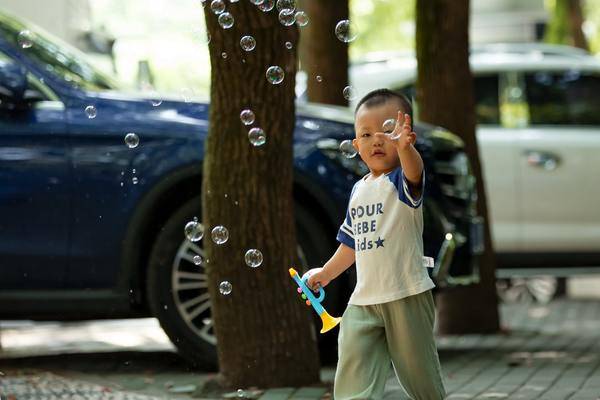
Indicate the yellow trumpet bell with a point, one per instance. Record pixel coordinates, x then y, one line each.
329 322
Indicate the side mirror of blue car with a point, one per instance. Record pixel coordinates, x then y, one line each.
13 83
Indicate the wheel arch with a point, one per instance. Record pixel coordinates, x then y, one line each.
150 215
173 192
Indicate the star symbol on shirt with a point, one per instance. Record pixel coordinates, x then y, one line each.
379 242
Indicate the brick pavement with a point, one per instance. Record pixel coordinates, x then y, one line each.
551 352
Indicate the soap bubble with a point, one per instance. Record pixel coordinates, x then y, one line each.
349 93
91 112
347 149
257 2
301 18
254 258
132 140
217 6
25 39
224 55
287 17
202 35
319 78
257 137
134 180
156 101
345 31
388 125
197 259
288 45
286 5
225 288
266 5
247 117
226 20
194 231
220 234
275 74
248 43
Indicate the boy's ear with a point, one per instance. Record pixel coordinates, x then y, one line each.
355 144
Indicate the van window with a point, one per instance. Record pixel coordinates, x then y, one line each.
563 98
487 110
486 98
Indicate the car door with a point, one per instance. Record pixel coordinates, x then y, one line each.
34 192
559 161
498 154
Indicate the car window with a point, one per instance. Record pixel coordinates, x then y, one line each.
486 98
563 98
58 58
35 88
487 108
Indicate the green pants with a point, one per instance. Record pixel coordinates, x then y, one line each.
400 331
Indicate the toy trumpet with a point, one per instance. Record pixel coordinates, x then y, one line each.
329 322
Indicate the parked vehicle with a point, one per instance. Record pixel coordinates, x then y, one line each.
91 228
538 115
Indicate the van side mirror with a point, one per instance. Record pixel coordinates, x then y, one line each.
13 83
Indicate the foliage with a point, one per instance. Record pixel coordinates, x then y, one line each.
382 25
557 30
591 12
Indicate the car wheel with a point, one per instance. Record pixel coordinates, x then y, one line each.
177 289
540 289
177 282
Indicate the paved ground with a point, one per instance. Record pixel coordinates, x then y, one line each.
551 352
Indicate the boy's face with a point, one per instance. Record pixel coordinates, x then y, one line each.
376 149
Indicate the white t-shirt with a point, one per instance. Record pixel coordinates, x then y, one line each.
384 225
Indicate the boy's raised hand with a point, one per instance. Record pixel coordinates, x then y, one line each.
402 135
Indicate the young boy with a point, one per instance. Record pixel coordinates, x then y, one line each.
390 315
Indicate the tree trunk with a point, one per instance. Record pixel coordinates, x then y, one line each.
264 331
565 24
322 54
575 23
445 94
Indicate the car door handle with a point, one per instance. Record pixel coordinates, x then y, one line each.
543 159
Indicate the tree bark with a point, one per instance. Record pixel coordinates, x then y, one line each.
264 331
445 94
575 23
322 54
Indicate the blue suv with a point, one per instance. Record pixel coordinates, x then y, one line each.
91 228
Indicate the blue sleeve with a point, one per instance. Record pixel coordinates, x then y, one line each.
345 234
403 187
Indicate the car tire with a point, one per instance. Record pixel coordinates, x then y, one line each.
170 249
173 253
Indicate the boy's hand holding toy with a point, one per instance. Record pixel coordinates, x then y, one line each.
329 322
316 278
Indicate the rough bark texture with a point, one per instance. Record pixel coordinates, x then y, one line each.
446 97
565 25
265 333
322 54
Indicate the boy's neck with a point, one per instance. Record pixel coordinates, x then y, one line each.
378 173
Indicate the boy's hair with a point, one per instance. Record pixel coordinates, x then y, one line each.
378 97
